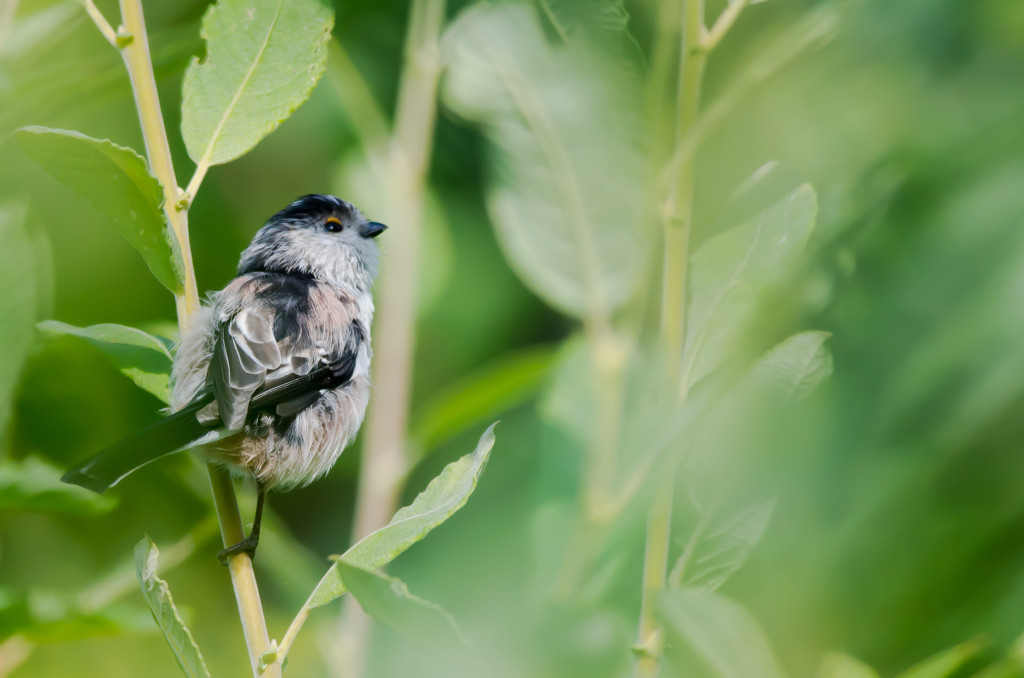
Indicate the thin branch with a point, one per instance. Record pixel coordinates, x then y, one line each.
677 221
385 458
137 61
101 23
722 24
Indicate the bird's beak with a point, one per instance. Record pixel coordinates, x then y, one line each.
372 229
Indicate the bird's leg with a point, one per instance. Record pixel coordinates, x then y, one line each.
249 544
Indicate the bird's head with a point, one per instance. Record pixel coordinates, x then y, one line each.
320 236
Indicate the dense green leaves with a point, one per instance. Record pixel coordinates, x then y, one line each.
34 485
720 632
18 302
838 665
140 356
263 58
567 188
721 545
730 272
388 600
445 495
118 184
161 604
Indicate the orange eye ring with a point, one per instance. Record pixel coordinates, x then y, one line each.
332 224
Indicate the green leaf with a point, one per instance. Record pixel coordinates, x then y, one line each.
720 632
566 189
795 367
731 270
117 183
142 357
445 495
34 485
18 302
389 601
161 604
839 665
498 386
263 58
721 548
945 663
600 20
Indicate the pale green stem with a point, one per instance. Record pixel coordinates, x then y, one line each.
677 220
385 459
133 42
101 23
722 25
135 53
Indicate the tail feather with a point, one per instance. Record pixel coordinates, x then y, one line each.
174 433
182 430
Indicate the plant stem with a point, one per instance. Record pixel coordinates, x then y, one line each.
384 458
677 221
135 53
140 71
101 23
243 579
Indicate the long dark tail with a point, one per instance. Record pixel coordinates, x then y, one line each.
171 434
182 429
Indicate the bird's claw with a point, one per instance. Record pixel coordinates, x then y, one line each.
247 545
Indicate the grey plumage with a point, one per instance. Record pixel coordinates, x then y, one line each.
278 362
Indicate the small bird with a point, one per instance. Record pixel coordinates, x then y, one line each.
272 375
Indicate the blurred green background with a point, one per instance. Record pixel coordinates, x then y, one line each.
899 529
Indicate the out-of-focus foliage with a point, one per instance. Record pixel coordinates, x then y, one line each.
868 507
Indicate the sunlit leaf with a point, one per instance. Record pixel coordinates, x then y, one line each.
263 58
566 185
389 601
721 548
161 604
445 495
839 665
720 632
140 356
730 272
34 485
117 183
18 280
946 663
795 367
497 387
599 20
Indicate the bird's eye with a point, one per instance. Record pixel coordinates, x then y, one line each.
332 225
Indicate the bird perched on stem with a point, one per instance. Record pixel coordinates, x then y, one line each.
272 376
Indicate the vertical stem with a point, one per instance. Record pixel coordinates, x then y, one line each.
135 52
243 579
678 218
140 71
384 458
